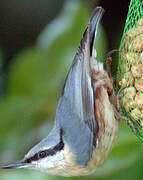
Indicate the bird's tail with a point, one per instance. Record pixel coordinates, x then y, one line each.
93 25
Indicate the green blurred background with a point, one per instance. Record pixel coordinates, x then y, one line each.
38 40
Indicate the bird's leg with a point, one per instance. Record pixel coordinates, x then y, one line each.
108 64
128 121
112 96
117 98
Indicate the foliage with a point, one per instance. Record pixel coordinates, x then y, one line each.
35 81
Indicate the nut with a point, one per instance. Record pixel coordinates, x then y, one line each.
139 100
140 22
128 79
131 67
137 69
136 114
128 104
130 92
139 84
142 115
132 57
135 31
137 43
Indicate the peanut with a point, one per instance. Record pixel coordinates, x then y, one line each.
128 79
137 44
136 114
139 100
139 84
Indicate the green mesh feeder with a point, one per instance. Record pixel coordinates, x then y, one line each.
130 70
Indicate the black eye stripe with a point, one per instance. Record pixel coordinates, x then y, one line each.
36 156
48 152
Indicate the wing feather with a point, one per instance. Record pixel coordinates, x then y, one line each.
75 111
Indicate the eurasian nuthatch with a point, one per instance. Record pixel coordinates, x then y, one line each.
85 127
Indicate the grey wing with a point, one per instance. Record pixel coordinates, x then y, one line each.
75 111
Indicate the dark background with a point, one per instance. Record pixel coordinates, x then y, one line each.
22 21
38 40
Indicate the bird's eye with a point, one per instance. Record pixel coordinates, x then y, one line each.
42 154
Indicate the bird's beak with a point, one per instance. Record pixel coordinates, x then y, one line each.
18 164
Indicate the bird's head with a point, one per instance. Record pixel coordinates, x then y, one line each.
47 156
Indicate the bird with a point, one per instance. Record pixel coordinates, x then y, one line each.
85 127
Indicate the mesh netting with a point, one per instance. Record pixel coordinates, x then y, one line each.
130 71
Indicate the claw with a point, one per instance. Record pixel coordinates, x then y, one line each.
118 96
128 121
111 52
120 91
